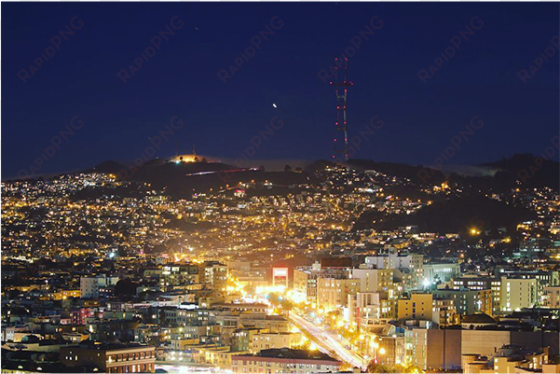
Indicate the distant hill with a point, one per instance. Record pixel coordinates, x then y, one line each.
181 180
455 215
185 178
532 171
318 166
107 167
417 174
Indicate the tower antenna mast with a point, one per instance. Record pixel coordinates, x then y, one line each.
341 84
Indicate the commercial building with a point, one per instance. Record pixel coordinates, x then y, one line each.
285 360
110 357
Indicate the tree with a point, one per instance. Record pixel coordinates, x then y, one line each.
287 168
304 345
125 287
274 298
376 367
287 305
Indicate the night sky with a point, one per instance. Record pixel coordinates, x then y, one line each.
181 79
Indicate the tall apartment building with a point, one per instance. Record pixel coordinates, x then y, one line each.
410 263
417 307
468 301
213 274
518 293
481 283
374 280
370 308
91 286
334 287
305 282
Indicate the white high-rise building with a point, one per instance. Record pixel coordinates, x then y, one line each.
518 293
89 287
408 263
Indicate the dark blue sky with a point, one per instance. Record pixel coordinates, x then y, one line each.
221 118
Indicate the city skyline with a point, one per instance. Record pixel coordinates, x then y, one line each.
304 188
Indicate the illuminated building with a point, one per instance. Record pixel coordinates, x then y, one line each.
190 158
214 274
262 341
413 263
479 284
514 359
285 360
110 357
440 273
333 289
551 297
280 277
391 350
518 293
179 274
370 308
90 287
468 301
374 280
417 307
305 281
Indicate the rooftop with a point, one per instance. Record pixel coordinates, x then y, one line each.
289 353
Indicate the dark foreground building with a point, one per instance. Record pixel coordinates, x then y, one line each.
285 360
110 358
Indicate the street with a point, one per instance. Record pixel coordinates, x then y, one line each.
328 341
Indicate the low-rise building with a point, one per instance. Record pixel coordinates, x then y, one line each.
551 297
110 357
263 341
285 360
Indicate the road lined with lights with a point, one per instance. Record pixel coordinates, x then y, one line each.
328 341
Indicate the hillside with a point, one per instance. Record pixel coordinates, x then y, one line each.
451 216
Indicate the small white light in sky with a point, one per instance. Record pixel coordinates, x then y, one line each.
274 105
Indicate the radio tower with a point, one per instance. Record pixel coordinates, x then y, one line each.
341 84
